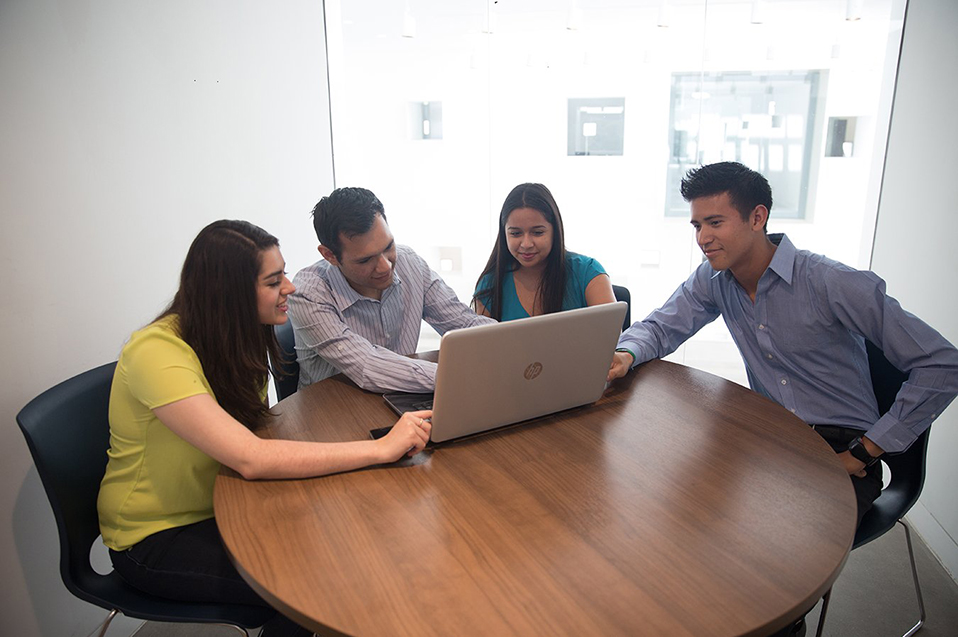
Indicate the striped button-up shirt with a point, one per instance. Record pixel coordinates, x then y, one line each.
339 330
803 342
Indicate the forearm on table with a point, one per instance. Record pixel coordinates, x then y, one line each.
376 368
203 423
278 459
384 370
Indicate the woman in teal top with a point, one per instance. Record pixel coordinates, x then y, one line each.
529 271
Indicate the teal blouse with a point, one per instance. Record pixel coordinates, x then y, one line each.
580 270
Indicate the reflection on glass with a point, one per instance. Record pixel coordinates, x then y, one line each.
596 126
425 120
748 117
841 137
512 78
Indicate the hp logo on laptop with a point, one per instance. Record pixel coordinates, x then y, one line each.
533 370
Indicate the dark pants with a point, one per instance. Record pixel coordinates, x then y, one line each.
868 488
189 563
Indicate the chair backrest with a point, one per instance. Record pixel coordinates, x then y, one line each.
68 433
622 294
286 371
67 429
907 468
886 378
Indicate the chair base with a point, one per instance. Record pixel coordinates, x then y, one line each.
106 624
914 573
113 613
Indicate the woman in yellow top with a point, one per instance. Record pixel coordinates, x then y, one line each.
187 391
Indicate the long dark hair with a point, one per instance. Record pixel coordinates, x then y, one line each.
552 287
217 312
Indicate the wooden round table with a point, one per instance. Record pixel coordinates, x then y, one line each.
679 504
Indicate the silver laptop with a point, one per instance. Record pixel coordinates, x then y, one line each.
495 375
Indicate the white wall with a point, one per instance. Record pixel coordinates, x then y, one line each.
125 127
914 243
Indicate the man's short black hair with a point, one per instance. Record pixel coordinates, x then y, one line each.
746 188
346 211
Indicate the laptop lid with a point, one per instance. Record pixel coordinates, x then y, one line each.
495 375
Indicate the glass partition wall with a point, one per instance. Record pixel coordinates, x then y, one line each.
442 107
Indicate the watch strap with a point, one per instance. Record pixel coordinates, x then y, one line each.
860 453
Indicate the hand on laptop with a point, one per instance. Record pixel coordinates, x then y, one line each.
621 362
407 437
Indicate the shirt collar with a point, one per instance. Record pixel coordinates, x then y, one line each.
783 261
345 296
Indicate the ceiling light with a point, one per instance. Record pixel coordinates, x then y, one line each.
853 10
575 19
758 11
408 23
664 11
490 17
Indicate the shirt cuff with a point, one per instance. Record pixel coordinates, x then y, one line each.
891 435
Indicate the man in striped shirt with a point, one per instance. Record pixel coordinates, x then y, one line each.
359 310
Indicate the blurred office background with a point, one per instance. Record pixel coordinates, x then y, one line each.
609 103
128 126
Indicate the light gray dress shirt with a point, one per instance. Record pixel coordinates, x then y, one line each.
339 330
803 342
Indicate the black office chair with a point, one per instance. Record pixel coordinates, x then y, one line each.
622 294
286 371
907 478
68 434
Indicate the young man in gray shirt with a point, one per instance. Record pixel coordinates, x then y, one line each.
800 321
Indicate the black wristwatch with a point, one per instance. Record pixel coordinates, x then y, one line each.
860 453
